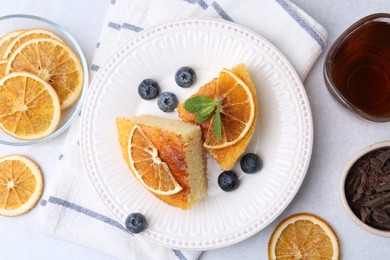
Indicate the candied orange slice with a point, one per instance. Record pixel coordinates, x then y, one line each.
148 168
29 107
232 150
25 36
237 114
54 62
21 185
303 236
238 110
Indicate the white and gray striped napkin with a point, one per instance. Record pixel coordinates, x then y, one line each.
70 208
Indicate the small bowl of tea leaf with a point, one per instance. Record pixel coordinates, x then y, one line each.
365 188
357 68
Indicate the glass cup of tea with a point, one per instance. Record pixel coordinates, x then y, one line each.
357 67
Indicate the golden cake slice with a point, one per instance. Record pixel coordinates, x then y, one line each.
244 107
166 156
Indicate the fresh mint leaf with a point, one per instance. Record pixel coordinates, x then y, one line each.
206 113
197 104
202 107
217 122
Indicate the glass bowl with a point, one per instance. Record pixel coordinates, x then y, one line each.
14 22
357 68
346 176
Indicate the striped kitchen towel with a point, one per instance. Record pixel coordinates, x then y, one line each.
298 36
70 208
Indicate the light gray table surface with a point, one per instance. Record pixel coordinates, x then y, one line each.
338 134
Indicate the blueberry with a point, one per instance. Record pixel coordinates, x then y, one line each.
167 101
136 223
148 89
251 163
228 181
185 77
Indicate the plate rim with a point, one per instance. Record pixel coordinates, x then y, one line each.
278 56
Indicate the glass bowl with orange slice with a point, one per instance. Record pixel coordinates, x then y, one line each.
43 79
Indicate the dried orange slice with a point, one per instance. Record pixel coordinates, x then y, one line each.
238 110
3 68
25 36
237 114
29 107
54 62
6 40
148 168
21 185
303 236
227 156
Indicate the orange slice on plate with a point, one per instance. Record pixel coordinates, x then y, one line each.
21 185
227 156
25 36
148 168
237 114
6 40
238 110
52 61
29 107
303 236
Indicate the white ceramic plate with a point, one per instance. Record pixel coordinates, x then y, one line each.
283 137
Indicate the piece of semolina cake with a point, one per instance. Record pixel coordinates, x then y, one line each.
179 145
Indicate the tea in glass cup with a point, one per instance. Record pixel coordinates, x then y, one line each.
357 67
